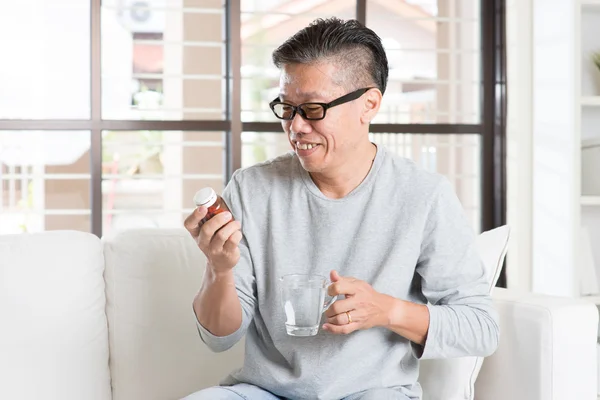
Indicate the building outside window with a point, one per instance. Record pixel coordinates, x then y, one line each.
167 61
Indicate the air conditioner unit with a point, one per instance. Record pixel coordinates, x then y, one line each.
143 16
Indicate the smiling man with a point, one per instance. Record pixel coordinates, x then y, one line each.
392 238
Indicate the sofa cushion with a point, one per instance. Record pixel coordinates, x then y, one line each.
454 379
53 335
546 349
152 277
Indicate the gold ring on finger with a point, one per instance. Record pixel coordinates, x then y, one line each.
349 317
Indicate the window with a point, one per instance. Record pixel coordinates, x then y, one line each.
139 103
163 60
44 181
264 26
150 177
434 55
45 68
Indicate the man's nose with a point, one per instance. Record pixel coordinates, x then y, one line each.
300 125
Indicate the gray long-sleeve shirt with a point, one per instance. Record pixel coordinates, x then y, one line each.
402 230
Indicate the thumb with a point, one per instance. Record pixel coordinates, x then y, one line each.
334 276
192 222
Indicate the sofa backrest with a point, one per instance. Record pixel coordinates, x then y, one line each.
53 332
54 336
152 276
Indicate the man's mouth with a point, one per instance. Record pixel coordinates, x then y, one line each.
306 146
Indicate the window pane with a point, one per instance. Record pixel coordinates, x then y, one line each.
163 61
45 68
433 49
265 25
455 156
150 178
261 146
44 181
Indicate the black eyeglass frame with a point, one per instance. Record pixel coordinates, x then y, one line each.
298 109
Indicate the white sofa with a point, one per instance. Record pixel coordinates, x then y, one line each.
85 319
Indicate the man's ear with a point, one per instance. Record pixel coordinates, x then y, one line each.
372 102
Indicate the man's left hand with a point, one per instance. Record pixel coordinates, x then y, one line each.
363 307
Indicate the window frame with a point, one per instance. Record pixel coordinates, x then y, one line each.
492 126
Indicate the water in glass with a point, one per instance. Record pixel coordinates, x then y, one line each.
303 303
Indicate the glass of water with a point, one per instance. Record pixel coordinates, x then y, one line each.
304 299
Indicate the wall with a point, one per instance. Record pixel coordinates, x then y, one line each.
554 194
519 142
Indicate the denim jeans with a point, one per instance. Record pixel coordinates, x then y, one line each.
244 391
236 392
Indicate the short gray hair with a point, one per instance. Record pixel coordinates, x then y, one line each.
349 44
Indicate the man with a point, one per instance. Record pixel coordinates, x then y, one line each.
392 237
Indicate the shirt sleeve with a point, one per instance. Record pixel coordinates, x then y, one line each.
245 282
462 319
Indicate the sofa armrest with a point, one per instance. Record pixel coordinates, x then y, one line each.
547 349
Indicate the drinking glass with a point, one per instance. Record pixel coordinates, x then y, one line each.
305 299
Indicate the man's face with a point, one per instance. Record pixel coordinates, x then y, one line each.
327 144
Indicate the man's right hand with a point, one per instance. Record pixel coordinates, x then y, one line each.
218 238
217 306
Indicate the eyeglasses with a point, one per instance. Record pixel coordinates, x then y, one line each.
311 111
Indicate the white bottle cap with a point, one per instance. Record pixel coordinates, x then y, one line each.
205 197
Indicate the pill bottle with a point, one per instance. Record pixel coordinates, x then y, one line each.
208 198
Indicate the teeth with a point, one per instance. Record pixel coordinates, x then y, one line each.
305 146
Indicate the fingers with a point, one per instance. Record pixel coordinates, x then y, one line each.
222 235
342 285
340 306
234 240
207 231
348 317
346 286
192 221
338 320
334 276
341 329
